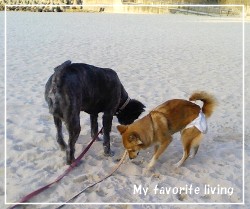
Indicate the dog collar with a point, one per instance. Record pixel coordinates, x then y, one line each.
123 106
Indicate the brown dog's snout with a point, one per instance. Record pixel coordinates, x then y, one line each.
133 155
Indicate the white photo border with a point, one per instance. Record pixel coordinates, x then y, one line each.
120 5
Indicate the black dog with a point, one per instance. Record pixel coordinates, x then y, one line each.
81 87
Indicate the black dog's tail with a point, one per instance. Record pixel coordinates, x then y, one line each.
52 94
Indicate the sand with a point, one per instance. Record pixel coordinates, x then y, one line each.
157 57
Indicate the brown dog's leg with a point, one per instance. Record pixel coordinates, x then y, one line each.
185 155
156 148
195 151
159 150
187 137
195 144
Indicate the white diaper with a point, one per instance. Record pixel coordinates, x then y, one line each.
200 122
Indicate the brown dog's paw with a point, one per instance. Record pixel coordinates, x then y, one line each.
192 156
177 165
157 175
147 172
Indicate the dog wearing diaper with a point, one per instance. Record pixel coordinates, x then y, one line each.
157 128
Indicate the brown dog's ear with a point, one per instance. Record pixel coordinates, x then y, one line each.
136 138
139 142
121 128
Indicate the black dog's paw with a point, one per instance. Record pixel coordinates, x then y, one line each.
63 147
108 152
96 137
69 157
99 139
69 161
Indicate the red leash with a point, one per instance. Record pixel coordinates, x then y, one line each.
74 164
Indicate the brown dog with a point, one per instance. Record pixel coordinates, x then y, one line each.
161 123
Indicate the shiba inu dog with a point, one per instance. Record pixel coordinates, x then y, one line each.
161 123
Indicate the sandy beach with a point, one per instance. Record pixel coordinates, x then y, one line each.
157 58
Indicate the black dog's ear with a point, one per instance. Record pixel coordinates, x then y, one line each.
121 128
63 65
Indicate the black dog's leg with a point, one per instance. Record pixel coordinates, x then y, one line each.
74 130
107 123
94 126
59 135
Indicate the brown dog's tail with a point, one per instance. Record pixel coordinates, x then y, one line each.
209 102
